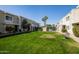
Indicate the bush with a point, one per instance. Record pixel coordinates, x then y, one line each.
9 29
64 30
76 31
39 28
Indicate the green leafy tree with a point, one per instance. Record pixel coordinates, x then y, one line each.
44 19
24 23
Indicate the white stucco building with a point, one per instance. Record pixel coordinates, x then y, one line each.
71 18
8 20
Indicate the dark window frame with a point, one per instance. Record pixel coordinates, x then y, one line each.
9 18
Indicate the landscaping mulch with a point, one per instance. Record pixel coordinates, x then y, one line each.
49 36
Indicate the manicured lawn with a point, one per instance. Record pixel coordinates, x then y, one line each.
38 43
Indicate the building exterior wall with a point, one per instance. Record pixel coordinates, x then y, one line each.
14 20
68 20
2 28
1 17
20 23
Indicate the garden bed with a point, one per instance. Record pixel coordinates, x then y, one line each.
11 34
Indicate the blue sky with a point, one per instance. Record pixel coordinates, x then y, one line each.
36 12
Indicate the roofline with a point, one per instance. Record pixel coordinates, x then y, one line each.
18 16
67 14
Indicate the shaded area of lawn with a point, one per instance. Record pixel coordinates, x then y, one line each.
32 43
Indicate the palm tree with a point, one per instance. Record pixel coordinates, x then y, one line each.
44 19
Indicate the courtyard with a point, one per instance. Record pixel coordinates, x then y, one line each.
38 43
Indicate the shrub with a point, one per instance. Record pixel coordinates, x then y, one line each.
76 31
64 28
39 28
9 29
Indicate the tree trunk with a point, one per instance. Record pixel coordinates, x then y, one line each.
44 23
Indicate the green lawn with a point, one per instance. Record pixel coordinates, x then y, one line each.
37 43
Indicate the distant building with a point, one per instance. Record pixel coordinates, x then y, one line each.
44 28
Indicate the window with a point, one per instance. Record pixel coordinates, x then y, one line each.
8 18
67 18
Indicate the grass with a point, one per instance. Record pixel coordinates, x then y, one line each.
32 43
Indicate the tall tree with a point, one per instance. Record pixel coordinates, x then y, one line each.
44 19
24 23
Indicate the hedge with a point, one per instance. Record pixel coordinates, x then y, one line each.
76 31
64 28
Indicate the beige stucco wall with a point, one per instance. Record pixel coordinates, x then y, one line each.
2 22
2 28
2 17
73 18
75 15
